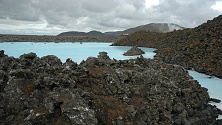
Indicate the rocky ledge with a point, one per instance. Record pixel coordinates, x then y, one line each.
134 51
45 91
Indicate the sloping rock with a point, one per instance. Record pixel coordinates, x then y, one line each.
134 51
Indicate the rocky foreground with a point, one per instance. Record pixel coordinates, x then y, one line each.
199 48
45 91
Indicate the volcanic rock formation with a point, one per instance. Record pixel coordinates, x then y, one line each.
37 91
134 51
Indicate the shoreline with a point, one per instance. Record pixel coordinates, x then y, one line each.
113 44
44 82
98 42
40 38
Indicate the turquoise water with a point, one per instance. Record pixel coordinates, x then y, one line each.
78 52
213 84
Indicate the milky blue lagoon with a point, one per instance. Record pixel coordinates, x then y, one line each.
78 52
213 84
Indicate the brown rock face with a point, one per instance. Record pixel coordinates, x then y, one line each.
199 48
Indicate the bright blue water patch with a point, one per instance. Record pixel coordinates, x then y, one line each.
213 84
76 51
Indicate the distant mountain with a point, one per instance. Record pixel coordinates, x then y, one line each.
73 33
76 33
97 33
152 27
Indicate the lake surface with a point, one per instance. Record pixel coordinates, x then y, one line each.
78 52
213 84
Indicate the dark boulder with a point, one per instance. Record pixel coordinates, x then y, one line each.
30 56
52 60
103 55
2 53
215 100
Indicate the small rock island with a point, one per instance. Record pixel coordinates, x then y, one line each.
134 51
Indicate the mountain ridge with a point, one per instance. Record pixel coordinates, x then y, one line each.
152 27
91 36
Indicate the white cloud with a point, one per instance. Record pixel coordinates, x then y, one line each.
217 6
186 13
151 3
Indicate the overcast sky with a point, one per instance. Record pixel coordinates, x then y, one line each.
51 17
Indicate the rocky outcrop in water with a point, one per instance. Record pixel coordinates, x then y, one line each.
134 51
199 48
37 91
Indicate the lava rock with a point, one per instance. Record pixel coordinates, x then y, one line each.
30 56
215 100
100 91
2 53
134 51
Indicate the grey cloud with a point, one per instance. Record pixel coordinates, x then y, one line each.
100 6
18 10
104 15
187 13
